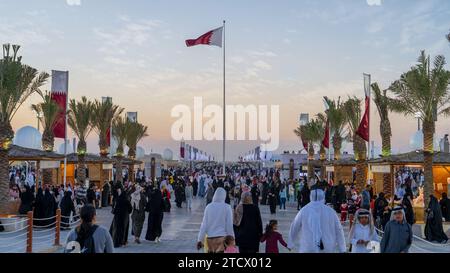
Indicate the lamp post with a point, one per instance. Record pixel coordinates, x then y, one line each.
39 115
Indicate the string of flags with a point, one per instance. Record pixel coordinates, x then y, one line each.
191 153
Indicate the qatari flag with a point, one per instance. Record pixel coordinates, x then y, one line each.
213 37
59 93
364 126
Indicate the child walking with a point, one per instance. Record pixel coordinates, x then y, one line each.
272 237
230 245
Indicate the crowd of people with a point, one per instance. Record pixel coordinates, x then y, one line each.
232 218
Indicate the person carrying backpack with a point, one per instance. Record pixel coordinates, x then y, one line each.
88 237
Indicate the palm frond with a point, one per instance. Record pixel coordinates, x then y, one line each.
79 117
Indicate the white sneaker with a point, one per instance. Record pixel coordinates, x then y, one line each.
158 240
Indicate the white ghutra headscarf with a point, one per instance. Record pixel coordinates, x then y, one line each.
317 197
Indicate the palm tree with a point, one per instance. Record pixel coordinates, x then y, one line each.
103 114
136 131
79 119
47 112
382 102
18 82
120 131
424 89
311 133
336 117
352 109
322 118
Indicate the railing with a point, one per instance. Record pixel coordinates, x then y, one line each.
26 236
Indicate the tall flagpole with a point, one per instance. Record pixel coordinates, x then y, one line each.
65 130
370 93
224 106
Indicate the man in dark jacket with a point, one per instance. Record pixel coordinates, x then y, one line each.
397 237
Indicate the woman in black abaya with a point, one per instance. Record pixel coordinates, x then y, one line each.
67 207
409 211
38 208
121 222
272 198
155 208
445 207
433 228
50 207
27 199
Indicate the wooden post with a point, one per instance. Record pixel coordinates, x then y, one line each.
30 232
58 227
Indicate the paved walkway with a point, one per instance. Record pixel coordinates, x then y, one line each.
180 230
181 226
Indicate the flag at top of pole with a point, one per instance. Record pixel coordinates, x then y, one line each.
364 126
213 37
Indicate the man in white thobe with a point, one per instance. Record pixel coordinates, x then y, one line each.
316 228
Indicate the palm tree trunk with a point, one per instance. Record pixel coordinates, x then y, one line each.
81 169
310 163
360 151
118 170
6 135
361 175
428 133
4 182
131 173
387 185
337 145
386 134
103 145
47 144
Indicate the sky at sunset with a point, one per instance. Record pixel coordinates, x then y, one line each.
286 53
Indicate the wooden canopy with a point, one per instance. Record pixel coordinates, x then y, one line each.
414 157
89 159
19 153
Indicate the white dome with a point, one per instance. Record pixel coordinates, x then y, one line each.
140 152
28 137
167 154
416 141
69 148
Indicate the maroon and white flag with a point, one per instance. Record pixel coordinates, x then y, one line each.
59 94
364 129
213 37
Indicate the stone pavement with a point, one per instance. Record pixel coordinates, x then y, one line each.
181 226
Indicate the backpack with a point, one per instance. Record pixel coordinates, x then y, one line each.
87 245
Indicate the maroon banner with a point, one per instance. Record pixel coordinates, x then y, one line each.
59 129
363 129
59 95
108 136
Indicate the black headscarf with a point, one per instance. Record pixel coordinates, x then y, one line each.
66 200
